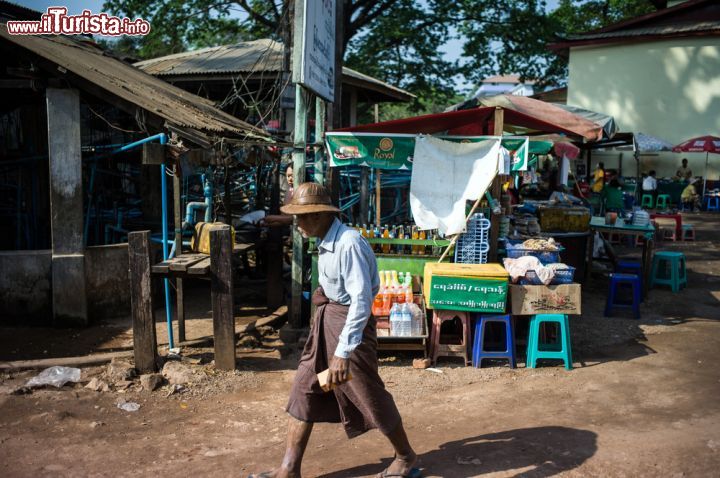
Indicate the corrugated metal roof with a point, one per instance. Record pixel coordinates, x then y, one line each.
14 11
178 107
257 56
245 57
690 27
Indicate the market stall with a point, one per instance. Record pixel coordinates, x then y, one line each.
432 147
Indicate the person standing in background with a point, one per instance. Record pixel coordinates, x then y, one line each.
649 185
279 220
599 178
683 171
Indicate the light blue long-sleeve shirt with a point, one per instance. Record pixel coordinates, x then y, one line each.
347 272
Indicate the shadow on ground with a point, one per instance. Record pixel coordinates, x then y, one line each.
536 452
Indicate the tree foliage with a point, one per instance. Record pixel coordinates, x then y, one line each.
513 36
398 41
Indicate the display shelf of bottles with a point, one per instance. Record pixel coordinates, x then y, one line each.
409 242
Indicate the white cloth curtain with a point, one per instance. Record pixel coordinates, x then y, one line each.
445 175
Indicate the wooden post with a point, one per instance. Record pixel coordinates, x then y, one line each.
179 293
378 198
222 297
143 317
320 115
274 248
364 194
227 199
496 190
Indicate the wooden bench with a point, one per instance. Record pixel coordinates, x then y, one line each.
217 266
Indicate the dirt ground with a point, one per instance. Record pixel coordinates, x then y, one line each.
642 400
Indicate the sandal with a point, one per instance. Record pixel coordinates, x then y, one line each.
413 473
264 474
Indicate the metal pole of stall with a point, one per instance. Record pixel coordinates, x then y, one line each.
163 187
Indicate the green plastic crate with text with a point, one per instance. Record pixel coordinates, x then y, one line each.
472 294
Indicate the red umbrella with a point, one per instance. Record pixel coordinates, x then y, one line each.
701 144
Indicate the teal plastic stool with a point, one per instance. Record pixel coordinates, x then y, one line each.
663 200
560 351
647 201
668 268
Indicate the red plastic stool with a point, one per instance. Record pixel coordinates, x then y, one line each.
438 349
669 235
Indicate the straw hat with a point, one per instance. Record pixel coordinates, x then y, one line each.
309 198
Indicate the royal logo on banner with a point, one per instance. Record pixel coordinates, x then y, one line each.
395 151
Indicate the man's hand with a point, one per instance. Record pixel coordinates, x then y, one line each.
339 370
277 220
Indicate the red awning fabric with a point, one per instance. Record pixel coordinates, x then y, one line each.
477 121
701 144
546 112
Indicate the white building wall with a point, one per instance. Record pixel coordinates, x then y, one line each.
669 89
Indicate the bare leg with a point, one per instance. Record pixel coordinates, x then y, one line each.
297 440
405 456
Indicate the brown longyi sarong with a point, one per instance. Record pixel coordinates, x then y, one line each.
360 404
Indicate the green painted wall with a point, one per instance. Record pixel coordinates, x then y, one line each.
669 89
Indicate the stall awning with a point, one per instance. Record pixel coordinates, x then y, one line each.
478 121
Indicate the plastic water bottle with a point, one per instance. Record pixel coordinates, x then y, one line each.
406 319
396 321
416 318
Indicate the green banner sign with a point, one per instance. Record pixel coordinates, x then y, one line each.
468 293
395 151
374 151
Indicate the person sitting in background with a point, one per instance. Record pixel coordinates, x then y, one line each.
612 197
689 197
649 185
599 178
684 172
280 220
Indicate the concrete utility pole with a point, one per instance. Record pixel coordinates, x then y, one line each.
303 98
332 177
299 143
274 245
69 297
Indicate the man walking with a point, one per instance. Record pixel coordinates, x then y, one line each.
342 339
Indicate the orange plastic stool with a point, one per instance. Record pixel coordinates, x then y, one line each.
438 349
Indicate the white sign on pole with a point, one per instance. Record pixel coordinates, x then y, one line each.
316 40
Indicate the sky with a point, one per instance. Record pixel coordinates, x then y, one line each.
452 49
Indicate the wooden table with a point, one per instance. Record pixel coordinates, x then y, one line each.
646 232
678 223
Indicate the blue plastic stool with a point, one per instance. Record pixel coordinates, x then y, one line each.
668 268
616 281
561 351
712 203
630 267
479 352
